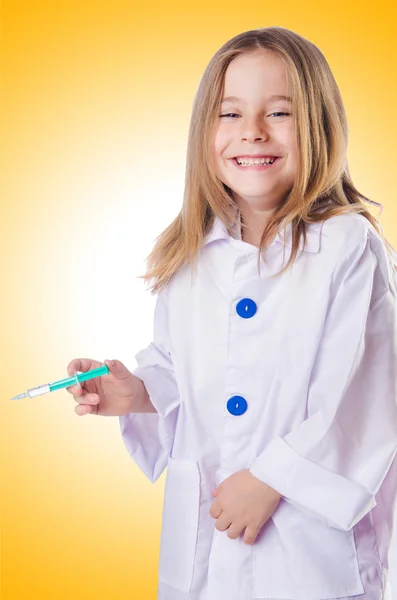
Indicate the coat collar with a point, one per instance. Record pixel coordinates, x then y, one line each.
313 234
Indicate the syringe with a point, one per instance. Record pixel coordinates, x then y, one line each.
63 383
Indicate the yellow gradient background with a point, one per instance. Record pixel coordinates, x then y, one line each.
95 100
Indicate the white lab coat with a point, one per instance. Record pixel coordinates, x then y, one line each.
315 369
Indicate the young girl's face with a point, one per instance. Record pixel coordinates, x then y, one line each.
254 123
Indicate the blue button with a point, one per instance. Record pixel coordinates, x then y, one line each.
237 405
246 308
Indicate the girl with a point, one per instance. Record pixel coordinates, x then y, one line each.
269 390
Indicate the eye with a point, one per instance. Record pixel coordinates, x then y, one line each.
236 115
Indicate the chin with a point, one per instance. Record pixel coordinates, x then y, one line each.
252 195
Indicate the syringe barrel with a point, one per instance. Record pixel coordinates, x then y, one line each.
38 391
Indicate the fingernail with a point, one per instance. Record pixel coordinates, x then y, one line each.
113 363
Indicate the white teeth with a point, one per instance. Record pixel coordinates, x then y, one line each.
256 161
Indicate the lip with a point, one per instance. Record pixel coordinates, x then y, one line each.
256 167
255 156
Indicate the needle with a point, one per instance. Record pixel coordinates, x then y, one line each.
77 378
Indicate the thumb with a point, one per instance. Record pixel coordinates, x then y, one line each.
117 369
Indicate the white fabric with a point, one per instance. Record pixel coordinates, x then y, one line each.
317 365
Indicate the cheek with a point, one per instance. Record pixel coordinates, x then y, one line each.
218 161
292 142
220 143
294 156
292 149
217 147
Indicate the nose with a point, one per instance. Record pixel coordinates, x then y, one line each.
254 130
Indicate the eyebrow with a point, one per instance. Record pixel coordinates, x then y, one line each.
275 97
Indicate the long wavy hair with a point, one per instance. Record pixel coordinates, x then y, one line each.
322 188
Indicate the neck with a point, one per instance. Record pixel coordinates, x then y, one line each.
253 225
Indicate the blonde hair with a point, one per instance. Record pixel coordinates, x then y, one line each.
322 188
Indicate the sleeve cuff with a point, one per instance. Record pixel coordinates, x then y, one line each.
341 502
149 437
154 369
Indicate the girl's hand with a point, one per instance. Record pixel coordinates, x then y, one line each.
114 394
243 501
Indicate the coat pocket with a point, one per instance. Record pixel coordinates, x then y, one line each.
179 524
299 556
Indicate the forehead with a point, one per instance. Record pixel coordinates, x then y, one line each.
259 73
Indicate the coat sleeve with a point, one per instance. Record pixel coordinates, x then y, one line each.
149 437
333 463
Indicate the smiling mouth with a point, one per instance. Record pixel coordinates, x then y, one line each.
263 166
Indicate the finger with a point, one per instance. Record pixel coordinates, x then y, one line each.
235 530
216 509
86 398
223 522
79 393
117 369
83 409
250 535
82 396
75 390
